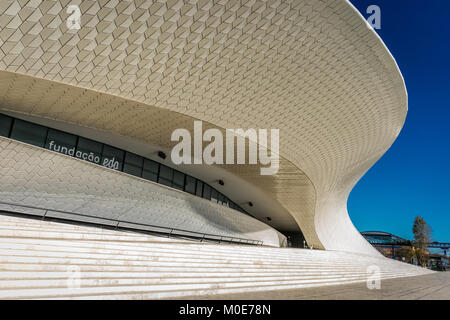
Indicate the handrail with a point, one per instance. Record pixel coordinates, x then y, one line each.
117 225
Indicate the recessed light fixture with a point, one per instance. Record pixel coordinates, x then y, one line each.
162 155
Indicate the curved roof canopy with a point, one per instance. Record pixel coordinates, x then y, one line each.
311 68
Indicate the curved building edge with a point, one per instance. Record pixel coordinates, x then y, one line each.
322 214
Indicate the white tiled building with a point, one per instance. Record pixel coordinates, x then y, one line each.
109 95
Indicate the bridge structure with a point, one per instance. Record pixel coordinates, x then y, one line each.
388 240
440 245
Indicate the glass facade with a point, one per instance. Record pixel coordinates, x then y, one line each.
199 189
189 185
165 176
133 164
110 157
5 125
89 150
151 170
207 192
61 142
214 195
29 133
178 180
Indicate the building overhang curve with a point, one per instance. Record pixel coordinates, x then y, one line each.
313 69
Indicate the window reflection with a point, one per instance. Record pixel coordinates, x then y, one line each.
5 125
29 133
151 170
178 180
133 164
190 184
165 176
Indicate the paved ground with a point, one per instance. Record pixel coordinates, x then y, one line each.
430 287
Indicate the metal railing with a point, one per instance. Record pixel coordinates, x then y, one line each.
126 225
439 245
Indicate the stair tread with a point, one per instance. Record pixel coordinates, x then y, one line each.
35 258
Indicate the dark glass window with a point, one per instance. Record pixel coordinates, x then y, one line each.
29 133
199 189
165 175
223 200
214 195
112 157
235 206
89 150
206 191
226 202
190 185
219 198
151 170
5 125
133 164
178 180
61 142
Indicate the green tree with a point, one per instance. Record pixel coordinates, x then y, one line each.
406 252
422 236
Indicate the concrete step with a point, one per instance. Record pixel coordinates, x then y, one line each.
155 288
167 290
157 262
42 275
210 292
102 247
196 250
199 270
36 258
154 256
148 281
161 256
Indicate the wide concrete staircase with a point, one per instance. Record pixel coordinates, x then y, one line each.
49 260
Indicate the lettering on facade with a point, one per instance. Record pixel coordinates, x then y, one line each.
111 163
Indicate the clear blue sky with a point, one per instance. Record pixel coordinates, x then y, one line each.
413 177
